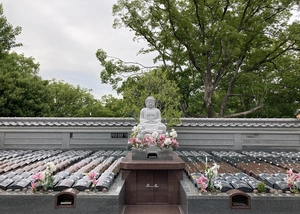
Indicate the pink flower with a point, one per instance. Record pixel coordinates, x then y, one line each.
202 179
290 172
92 175
33 185
38 176
292 179
174 142
148 140
203 182
162 138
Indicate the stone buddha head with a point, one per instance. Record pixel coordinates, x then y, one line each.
150 102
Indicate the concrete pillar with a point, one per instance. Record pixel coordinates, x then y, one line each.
66 141
2 134
237 142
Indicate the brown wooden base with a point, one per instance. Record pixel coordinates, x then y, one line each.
152 182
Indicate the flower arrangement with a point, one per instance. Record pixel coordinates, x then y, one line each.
206 181
93 178
161 141
291 180
44 179
135 142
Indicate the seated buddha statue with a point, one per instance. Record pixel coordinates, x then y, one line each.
150 119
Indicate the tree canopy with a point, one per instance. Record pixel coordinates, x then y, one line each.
7 34
154 83
211 49
67 100
23 93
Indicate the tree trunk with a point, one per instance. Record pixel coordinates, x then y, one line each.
208 93
226 97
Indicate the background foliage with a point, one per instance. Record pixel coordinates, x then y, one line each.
215 59
225 56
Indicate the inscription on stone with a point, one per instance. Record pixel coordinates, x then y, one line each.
119 135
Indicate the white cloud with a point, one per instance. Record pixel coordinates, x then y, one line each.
64 35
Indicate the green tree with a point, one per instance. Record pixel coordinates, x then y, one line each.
22 92
7 34
216 43
154 83
283 96
70 101
113 106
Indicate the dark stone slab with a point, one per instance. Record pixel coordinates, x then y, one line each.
2 177
63 174
282 176
225 186
82 184
58 178
24 183
282 185
241 185
6 183
64 184
10 174
103 184
231 179
263 176
105 181
17 178
26 174
270 181
241 175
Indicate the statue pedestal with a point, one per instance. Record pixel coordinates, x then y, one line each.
152 153
152 181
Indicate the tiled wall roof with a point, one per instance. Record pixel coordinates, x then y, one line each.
129 122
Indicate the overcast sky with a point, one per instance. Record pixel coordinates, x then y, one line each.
64 35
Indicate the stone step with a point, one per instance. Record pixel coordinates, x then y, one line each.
151 209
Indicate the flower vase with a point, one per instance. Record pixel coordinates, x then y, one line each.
139 154
165 154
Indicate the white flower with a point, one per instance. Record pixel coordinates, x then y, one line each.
135 129
173 133
215 168
155 134
51 167
168 142
43 175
